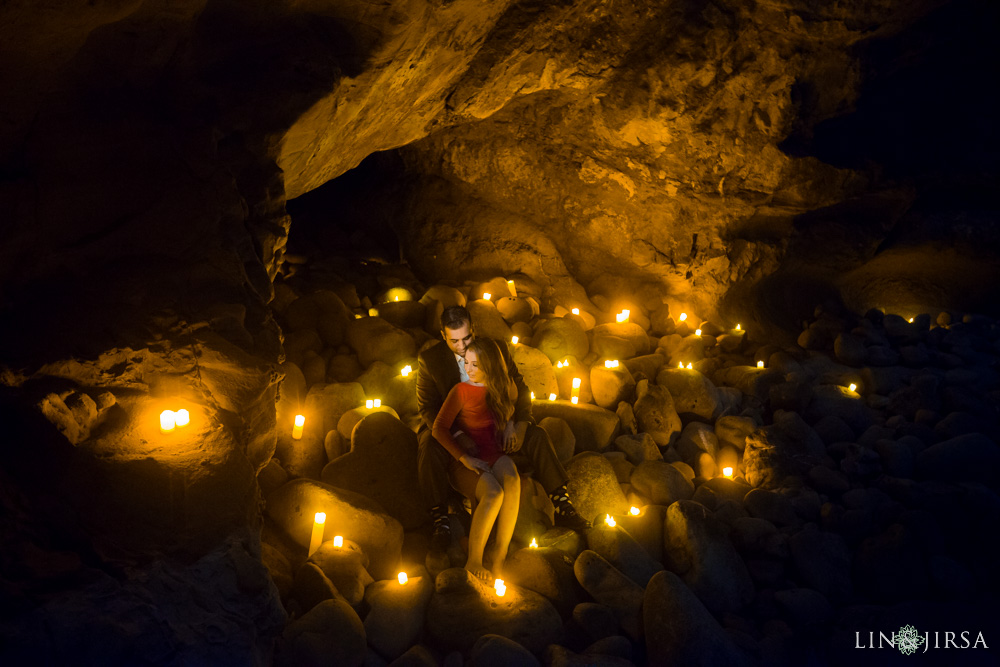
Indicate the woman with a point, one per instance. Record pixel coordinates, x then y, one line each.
481 408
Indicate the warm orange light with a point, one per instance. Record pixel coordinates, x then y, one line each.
401 578
182 418
487 296
622 316
611 363
680 364
369 404
737 326
532 395
316 539
608 519
338 541
575 311
634 511
499 587
510 286
576 383
683 317
911 320
300 422
378 402
853 387
534 543
574 399
552 397
760 364
689 366
407 369
514 339
727 471
373 312
168 419
697 332
395 298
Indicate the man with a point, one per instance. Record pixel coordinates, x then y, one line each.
442 366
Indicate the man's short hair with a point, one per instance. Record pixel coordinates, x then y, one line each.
453 317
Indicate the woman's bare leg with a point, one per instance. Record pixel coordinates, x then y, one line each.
489 495
506 472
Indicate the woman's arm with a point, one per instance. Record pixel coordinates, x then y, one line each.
445 419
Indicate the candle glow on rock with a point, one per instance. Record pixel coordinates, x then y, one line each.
697 332
622 316
680 364
737 326
300 422
608 519
634 511
534 543
611 363
514 339
574 399
500 588
369 404
377 402
487 296
532 395
401 578
338 541
853 387
727 471
575 311
682 317
760 364
182 418
168 419
689 366
552 397
407 369
577 382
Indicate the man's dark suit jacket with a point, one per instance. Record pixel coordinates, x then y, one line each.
438 373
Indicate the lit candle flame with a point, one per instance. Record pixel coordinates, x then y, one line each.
514 339
737 326
320 518
168 419
575 311
911 320
316 538
487 296
401 577
611 363
689 366
760 364
338 541
300 421
608 519
407 369
552 397
369 404
499 587
683 317
697 332
532 395
853 387
510 286
576 383
634 511
182 417
378 402
622 316
574 399
395 298
727 471
680 364
534 543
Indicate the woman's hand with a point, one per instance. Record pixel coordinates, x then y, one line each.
514 436
474 464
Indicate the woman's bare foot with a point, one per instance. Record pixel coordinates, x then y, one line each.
479 571
497 560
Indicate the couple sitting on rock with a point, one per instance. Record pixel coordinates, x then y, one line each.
476 410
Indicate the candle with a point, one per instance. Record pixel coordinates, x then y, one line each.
401 578
532 395
552 397
407 369
300 421
760 364
622 316
338 541
395 298
911 320
534 543
510 286
377 402
514 339
683 317
680 364
853 387
167 421
608 519
634 511
182 418
697 332
576 385
574 399
689 366
575 311
499 587
487 296
317 533
369 404
611 363
727 471
737 326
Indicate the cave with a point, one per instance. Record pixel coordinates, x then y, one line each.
744 255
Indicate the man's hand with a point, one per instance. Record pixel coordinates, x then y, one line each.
474 464
514 436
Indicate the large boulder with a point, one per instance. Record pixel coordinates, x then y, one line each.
686 632
561 337
382 465
547 571
395 618
374 339
536 369
354 516
733 430
697 547
346 568
326 404
593 486
594 428
561 436
629 331
388 384
660 483
330 633
618 547
610 386
638 448
463 608
612 588
695 397
487 320
655 414
789 447
822 562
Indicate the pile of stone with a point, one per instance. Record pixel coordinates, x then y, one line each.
768 502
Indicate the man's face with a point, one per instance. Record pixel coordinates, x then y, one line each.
458 339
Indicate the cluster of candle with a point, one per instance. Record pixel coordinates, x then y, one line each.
610 520
560 364
170 419
373 403
575 395
407 369
680 364
622 316
611 363
634 511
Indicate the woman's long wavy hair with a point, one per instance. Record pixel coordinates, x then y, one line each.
498 398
